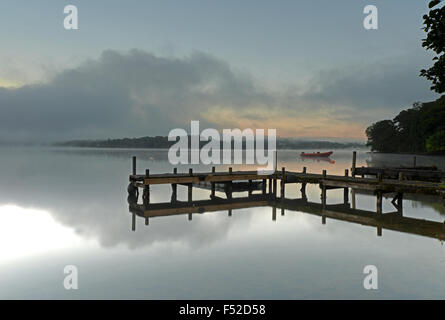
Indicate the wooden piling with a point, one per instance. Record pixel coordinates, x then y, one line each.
175 187
323 197
379 202
133 222
146 192
134 166
190 188
274 213
282 182
354 160
400 203
213 183
230 212
353 199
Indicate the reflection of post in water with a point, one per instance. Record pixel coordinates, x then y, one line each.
343 212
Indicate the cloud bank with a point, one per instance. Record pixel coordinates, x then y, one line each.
137 94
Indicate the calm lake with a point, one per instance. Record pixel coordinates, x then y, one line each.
69 206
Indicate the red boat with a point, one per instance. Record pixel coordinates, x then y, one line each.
317 154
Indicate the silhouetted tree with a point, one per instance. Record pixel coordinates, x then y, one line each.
434 23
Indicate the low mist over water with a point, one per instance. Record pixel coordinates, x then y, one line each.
68 206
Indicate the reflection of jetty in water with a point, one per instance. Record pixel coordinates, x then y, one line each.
345 211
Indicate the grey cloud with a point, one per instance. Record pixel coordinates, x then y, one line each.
138 93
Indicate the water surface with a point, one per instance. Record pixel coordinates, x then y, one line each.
69 206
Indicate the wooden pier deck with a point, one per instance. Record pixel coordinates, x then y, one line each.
251 180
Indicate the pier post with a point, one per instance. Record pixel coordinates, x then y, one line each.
213 183
324 174
264 186
379 202
400 203
230 213
190 189
190 217
133 222
354 160
346 190
270 185
353 198
174 187
146 193
146 221
323 197
250 188
134 166
282 182
275 185
303 190
229 186
323 219
274 213
303 187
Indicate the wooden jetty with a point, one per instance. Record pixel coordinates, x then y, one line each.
378 185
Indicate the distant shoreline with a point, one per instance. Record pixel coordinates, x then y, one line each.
161 142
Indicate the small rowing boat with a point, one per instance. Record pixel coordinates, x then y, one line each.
316 154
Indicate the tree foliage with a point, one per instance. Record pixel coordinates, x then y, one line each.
417 129
434 23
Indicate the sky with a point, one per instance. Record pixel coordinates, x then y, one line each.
306 68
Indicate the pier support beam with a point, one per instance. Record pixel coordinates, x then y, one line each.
134 166
146 193
354 163
213 184
275 186
190 189
282 182
303 190
379 202
353 199
346 190
174 188
274 213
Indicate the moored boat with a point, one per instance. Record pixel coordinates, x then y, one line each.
316 154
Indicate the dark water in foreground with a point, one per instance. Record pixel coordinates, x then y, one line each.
63 207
